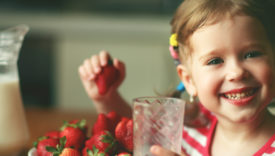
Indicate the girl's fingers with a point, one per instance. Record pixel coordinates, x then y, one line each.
159 151
87 65
95 64
121 67
104 57
82 72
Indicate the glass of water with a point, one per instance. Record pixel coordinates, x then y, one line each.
157 121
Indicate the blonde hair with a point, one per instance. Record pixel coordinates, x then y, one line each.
193 14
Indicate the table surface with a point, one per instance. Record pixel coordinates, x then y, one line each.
41 120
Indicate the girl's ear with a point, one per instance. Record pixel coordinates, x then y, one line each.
186 78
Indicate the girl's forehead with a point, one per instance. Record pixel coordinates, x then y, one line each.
232 30
241 23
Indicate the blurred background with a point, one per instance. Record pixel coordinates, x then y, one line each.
65 32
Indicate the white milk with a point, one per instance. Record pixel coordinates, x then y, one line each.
13 126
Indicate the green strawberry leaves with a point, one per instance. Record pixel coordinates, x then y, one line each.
59 148
80 124
95 152
39 139
108 138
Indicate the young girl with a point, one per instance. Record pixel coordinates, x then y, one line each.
226 53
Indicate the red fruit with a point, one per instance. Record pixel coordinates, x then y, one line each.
103 142
106 78
80 123
46 142
74 133
52 134
95 152
124 133
70 152
113 116
59 150
114 119
124 154
84 151
102 124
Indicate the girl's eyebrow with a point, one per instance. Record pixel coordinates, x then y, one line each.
210 54
247 46
252 45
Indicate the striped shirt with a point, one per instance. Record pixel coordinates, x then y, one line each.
197 141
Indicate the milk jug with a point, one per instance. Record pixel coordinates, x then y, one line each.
14 132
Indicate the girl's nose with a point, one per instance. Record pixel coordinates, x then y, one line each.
236 72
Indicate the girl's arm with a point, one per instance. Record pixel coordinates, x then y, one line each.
111 100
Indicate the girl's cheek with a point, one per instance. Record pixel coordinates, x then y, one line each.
266 74
271 81
207 84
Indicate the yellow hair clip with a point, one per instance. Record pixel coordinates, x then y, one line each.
173 40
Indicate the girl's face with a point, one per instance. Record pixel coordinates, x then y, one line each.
231 68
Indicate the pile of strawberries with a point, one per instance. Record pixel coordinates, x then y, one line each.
111 135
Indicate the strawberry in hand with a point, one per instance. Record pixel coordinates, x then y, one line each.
106 78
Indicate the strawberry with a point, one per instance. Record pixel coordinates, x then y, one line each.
74 133
61 150
114 119
124 133
85 151
106 122
106 78
102 123
70 152
52 134
124 154
44 142
84 126
103 142
94 152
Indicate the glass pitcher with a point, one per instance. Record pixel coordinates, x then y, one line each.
14 134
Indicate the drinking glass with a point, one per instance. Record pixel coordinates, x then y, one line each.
157 121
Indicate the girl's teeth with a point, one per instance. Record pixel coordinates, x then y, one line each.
238 96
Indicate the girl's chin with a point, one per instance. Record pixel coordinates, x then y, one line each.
241 117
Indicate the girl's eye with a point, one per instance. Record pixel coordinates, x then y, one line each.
252 54
215 61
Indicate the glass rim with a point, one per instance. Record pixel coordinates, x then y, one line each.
138 99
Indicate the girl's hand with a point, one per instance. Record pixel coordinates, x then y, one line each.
91 67
157 150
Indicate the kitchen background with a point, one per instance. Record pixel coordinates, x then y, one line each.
65 32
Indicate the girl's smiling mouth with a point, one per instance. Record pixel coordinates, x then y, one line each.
240 96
